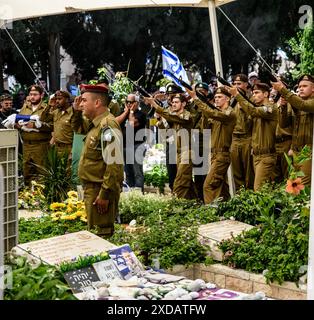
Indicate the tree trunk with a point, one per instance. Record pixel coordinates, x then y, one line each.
1 71
138 56
44 67
54 61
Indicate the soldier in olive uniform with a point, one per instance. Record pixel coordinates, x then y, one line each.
101 163
283 142
35 140
62 117
265 117
201 123
303 109
241 157
179 119
223 122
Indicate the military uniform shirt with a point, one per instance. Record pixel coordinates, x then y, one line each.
244 121
302 119
177 122
223 122
92 167
44 133
265 119
63 132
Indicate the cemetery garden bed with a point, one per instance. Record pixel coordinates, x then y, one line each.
165 229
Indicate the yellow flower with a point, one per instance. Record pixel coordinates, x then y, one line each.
57 205
83 219
80 213
55 219
69 209
72 194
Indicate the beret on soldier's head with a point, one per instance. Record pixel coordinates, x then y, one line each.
241 77
222 90
98 88
178 96
202 85
172 88
264 87
306 77
62 93
36 87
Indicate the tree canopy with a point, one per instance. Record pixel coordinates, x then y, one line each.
131 39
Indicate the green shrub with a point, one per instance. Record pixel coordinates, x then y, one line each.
157 177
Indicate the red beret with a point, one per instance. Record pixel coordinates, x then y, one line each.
93 88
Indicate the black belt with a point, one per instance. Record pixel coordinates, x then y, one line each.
35 141
241 135
283 138
93 185
224 149
264 151
60 144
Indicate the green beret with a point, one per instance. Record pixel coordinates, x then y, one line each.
202 85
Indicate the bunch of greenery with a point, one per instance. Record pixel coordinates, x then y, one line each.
44 227
302 48
43 282
278 245
82 262
55 176
171 231
157 177
247 205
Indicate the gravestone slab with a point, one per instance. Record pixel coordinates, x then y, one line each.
64 248
213 233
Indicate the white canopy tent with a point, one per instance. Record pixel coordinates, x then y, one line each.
22 9
12 10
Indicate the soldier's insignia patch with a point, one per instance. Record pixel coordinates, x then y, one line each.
228 112
106 135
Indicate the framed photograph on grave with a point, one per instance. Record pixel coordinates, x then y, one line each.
126 261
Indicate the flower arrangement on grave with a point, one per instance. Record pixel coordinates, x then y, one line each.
70 209
32 197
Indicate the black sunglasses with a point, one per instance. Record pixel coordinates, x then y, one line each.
131 102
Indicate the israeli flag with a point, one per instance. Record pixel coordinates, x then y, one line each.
171 65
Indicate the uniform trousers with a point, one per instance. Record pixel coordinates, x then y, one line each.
103 222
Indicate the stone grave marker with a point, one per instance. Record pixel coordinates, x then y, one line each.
213 233
67 247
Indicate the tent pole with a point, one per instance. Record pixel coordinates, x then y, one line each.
218 67
310 268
